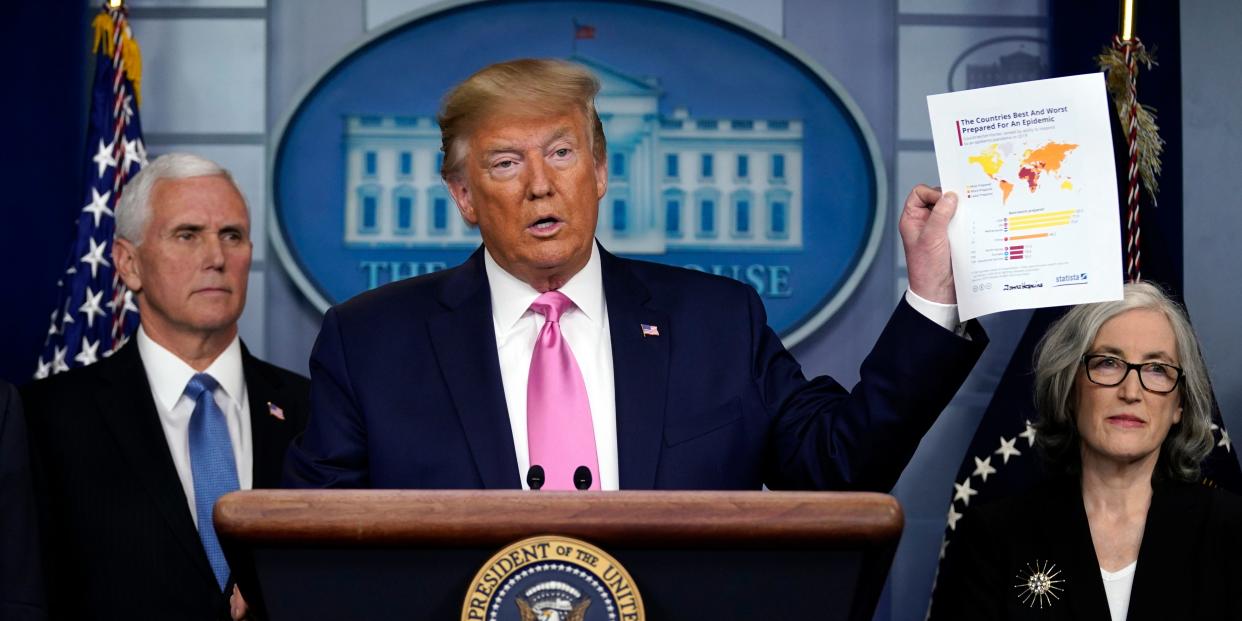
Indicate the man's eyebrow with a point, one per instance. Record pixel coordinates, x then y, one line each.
506 148
501 149
186 226
560 133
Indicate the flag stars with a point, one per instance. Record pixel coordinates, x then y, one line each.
45 369
58 360
1007 449
944 547
91 306
135 153
129 306
983 467
1225 441
127 108
66 317
954 516
98 205
103 158
962 491
1029 434
95 257
89 354
126 303
51 330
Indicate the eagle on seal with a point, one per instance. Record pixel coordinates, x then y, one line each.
577 613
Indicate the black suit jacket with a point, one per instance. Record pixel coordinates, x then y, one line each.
1189 564
120 542
21 574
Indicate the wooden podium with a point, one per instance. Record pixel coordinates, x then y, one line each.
354 554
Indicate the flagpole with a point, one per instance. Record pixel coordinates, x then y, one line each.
1128 43
1143 145
1127 20
1121 62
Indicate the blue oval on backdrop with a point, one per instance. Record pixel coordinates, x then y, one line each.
728 152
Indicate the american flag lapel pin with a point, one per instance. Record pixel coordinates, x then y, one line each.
649 330
275 411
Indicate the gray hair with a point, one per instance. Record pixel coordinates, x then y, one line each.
1060 352
133 210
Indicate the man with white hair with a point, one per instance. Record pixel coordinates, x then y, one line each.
131 453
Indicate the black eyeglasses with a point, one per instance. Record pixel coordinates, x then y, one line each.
1157 377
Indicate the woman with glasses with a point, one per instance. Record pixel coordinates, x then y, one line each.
1124 529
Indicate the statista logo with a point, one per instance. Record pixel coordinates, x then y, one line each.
704 173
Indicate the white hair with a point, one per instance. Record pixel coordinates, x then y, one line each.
133 210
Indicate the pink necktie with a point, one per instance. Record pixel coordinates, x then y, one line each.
558 414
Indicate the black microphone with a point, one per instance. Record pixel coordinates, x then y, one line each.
534 477
582 478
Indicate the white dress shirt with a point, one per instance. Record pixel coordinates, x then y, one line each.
168 375
585 329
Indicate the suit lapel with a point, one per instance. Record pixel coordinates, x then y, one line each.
465 343
129 412
270 435
1071 548
1167 562
640 372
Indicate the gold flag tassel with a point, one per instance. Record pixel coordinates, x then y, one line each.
104 25
1150 145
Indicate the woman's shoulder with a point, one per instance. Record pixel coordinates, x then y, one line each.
1216 504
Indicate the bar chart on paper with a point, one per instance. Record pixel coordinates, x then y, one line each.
1018 237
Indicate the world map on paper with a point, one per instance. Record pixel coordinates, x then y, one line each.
1031 168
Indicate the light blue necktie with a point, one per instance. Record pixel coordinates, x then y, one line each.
212 464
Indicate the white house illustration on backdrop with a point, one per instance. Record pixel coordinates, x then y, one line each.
675 182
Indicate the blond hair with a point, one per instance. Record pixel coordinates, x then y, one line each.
535 87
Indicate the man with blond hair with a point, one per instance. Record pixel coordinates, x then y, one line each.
544 361
132 452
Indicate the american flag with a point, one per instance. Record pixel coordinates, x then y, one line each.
583 31
94 313
649 330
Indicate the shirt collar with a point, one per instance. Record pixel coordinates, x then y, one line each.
512 297
168 374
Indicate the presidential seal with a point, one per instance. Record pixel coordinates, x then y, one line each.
552 578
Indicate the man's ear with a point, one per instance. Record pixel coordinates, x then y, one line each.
461 195
601 178
125 258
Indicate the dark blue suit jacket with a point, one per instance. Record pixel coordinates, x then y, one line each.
406 390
